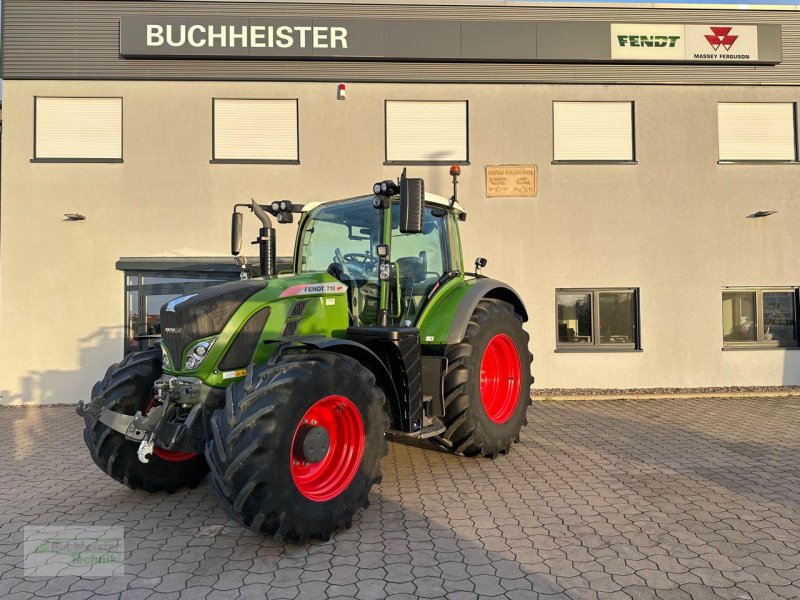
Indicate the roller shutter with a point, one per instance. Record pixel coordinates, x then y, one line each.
78 128
593 131
757 131
257 130
426 131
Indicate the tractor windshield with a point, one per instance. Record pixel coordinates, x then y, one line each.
341 238
344 233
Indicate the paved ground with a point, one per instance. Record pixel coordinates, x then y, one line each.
662 498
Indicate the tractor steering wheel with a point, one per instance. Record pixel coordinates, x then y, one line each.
362 260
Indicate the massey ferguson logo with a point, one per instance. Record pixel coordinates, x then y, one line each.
727 43
721 36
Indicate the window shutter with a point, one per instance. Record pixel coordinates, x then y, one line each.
426 131
255 130
593 131
78 128
756 131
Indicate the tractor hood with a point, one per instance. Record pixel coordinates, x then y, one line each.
203 314
235 316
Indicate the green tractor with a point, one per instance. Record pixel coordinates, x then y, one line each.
282 388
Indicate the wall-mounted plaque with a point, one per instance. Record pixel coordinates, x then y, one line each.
511 181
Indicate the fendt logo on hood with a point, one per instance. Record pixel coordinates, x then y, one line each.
721 37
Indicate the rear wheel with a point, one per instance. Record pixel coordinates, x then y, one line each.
488 381
297 446
126 388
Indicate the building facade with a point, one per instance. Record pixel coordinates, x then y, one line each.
632 172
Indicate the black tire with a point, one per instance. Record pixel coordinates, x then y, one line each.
470 430
126 388
250 445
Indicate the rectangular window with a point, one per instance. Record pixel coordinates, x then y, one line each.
597 318
757 131
427 132
759 317
593 132
255 131
77 129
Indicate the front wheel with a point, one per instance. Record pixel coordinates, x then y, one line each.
297 447
126 389
488 382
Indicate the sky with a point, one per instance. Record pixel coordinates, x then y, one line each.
709 2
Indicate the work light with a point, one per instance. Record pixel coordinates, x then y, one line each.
385 188
197 354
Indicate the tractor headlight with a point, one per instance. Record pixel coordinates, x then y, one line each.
165 359
376 189
197 354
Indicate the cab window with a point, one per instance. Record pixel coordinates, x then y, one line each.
420 261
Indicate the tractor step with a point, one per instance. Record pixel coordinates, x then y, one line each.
435 428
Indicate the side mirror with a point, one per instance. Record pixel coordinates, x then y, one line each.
412 205
236 233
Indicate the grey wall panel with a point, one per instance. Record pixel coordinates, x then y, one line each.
512 40
770 46
52 39
572 40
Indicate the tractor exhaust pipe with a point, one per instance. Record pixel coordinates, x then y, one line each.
265 241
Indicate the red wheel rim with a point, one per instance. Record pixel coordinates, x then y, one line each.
500 378
172 456
329 477
169 455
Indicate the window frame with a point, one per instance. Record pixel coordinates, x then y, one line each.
386 160
762 161
253 161
595 161
87 160
597 345
760 343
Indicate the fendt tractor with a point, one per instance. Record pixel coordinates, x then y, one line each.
283 387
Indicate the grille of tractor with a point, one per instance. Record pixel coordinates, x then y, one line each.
203 314
240 353
298 308
290 329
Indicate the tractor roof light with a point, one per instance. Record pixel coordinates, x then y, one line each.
455 170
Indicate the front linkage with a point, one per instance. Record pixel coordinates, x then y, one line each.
171 421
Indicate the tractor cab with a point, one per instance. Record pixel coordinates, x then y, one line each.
342 238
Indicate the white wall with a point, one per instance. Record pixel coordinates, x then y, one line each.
674 225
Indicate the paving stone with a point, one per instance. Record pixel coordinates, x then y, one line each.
666 500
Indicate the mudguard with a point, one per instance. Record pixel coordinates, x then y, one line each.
367 358
480 289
